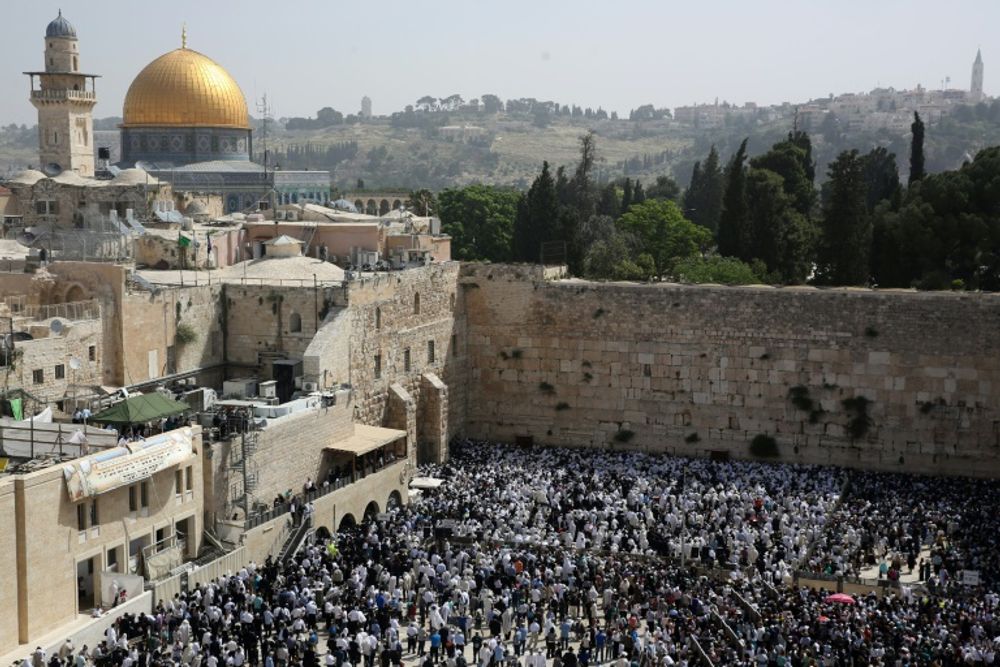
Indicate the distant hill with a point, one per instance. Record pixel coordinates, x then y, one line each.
437 149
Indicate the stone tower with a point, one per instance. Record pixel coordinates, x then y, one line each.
366 107
976 90
64 103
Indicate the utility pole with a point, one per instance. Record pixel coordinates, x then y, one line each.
246 488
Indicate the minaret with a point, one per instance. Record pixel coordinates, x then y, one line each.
64 103
976 90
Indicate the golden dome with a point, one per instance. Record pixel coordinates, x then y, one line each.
185 88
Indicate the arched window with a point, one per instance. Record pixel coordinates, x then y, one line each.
295 323
75 65
416 303
378 318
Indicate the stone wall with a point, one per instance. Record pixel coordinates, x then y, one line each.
387 324
52 355
261 322
695 369
151 348
8 555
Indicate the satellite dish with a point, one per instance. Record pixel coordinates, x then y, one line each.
56 326
52 169
74 363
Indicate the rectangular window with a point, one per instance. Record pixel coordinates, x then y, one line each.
60 371
378 366
406 360
178 481
144 494
41 207
430 352
189 479
113 560
81 517
38 376
93 513
92 352
133 501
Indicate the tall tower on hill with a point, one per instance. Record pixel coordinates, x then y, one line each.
976 90
64 103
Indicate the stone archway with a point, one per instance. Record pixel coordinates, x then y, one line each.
371 208
75 292
347 522
396 204
371 511
395 500
383 207
360 205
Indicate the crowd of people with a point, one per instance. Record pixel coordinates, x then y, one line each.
572 558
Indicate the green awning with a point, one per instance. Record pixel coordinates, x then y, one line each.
141 409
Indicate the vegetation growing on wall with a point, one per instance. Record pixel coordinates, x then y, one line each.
764 446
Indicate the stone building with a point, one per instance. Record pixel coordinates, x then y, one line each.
79 530
64 98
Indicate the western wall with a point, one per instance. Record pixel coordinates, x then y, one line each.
693 370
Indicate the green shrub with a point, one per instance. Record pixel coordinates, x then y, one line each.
860 422
764 446
692 438
800 398
624 435
546 388
562 405
185 334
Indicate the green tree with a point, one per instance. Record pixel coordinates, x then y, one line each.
664 188
627 194
638 194
662 231
792 161
423 202
703 199
480 221
733 234
916 149
610 202
540 219
715 269
845 248
778 235
881 178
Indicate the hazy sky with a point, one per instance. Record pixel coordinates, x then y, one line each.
306 54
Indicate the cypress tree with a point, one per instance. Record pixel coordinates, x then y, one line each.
638 195
627 195
916 149
732 236
846 246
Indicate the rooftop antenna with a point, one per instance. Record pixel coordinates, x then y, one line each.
184 35
265 116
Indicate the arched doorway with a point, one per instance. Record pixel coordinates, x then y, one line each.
394 501
371 208
360 205
346 522
74 293
383 207
396 204
371 510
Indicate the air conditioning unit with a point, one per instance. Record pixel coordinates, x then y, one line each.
310 386
268 389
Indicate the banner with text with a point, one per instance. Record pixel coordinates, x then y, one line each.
126 465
